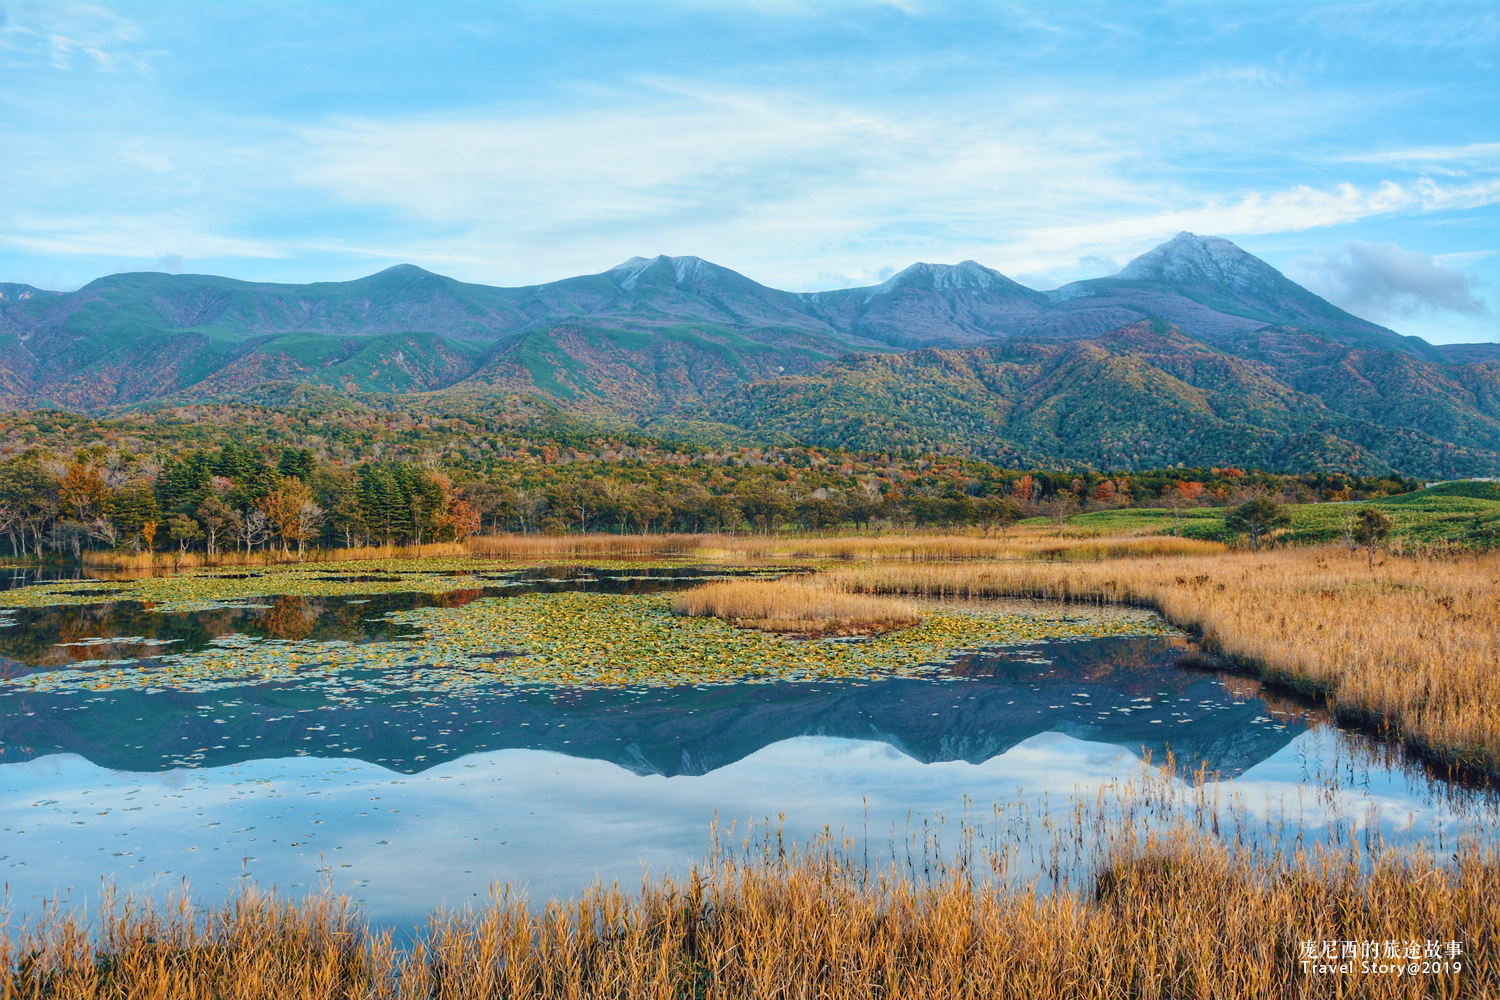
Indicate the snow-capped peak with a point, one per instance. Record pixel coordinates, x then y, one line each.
966 275
684 269
1188 259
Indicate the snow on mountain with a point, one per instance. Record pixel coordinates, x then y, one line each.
966 275
684 270
1188 260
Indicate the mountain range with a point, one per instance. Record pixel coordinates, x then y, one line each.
1195 352
689 730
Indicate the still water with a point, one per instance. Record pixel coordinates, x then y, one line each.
408 800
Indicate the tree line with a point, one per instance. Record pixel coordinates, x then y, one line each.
246 498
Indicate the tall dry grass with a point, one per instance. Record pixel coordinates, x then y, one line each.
1412 648
919 547
586 546
254 946
147 562
1174 916
792 605
915 547
949 548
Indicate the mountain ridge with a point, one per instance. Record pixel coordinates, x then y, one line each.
1206 284
1196 351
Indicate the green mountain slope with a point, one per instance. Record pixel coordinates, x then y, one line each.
1253 370
640 374
1145 396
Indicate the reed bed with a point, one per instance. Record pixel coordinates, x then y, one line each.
917 547
792 605
911 548
1409 648
145 563
1173 916
961 548
256 945
1026 543
586 546
1121 548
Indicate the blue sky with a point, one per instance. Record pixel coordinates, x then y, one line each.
806 144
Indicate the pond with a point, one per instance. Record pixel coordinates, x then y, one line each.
418 781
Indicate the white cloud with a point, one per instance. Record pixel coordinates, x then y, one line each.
796 190
773 180
69 35
1255 213
1384 282
132 237
1474 151
792 190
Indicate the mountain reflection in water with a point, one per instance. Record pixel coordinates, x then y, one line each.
409 798
1123 691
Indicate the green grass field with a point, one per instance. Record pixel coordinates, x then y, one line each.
1466 513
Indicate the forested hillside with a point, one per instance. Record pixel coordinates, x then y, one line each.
221 478
1148 396
1195 353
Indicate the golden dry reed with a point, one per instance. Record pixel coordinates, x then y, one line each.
920 547
1412 648
791 605
914 547
170 561
1174 917
584 546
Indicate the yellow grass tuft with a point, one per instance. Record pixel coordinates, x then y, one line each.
792 605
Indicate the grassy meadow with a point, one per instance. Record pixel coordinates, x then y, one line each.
1449 515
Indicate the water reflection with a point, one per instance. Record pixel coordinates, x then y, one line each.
12 578
58 635
551 824
1123 691
410 799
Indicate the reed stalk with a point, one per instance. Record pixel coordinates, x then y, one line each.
1174 915
1409 648
792 605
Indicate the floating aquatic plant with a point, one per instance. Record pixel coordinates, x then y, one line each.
210 590
588 640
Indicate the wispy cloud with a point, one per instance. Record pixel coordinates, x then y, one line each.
1385 282
779 181
807 143
792 190
68 35
1254 213
130 237
1474 152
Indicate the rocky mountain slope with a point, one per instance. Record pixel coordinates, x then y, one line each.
1196 352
